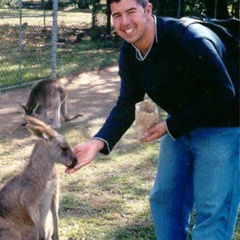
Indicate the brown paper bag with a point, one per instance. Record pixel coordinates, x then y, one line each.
146 116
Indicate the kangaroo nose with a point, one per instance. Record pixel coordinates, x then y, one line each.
24 124
74 162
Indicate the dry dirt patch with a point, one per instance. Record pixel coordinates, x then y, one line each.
92 94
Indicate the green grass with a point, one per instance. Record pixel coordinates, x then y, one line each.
85 56
71 59
36 63
111 199
108 199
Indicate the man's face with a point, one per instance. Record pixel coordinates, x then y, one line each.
130 20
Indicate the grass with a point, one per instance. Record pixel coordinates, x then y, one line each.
36 52
71 59
108 199
84 57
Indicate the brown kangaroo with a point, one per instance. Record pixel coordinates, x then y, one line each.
45 96
29 201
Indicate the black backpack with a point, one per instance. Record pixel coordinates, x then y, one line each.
227 30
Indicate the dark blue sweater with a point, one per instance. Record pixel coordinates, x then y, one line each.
184 74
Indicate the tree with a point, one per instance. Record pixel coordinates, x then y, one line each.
213 8
217 9
108 13
171 8
10 3
235 9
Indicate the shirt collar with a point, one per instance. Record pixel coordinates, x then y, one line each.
138 53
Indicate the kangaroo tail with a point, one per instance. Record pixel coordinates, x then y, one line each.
71 118
65 114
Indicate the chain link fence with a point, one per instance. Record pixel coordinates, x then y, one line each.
33 31
26 45
30 31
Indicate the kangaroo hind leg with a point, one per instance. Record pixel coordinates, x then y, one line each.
56 111
7 232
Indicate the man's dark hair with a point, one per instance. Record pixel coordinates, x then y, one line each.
143 3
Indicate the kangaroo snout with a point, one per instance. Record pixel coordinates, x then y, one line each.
73 163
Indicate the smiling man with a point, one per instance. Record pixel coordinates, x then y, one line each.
185 74
134 23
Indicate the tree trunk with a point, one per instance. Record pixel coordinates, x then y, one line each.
93 14
217 9
108 13
155 4
235 9
170 8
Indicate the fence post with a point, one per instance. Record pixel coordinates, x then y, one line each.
108 13
44 14
54 39
93 14
20 43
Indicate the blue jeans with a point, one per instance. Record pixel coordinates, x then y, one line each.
201 170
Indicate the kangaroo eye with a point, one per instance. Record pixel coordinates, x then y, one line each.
64 149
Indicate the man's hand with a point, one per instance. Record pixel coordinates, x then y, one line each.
154 132
85 153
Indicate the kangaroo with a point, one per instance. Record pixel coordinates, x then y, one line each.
48 95
29 201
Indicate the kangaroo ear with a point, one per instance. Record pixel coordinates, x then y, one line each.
39 128
35 121
24 108
41 132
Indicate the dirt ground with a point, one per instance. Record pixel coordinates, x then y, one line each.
92 94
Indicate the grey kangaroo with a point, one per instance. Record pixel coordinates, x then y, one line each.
29 201
48 95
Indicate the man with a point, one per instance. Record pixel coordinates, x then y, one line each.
199 152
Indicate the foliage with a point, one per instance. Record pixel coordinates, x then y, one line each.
9 3
194 7
84 3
